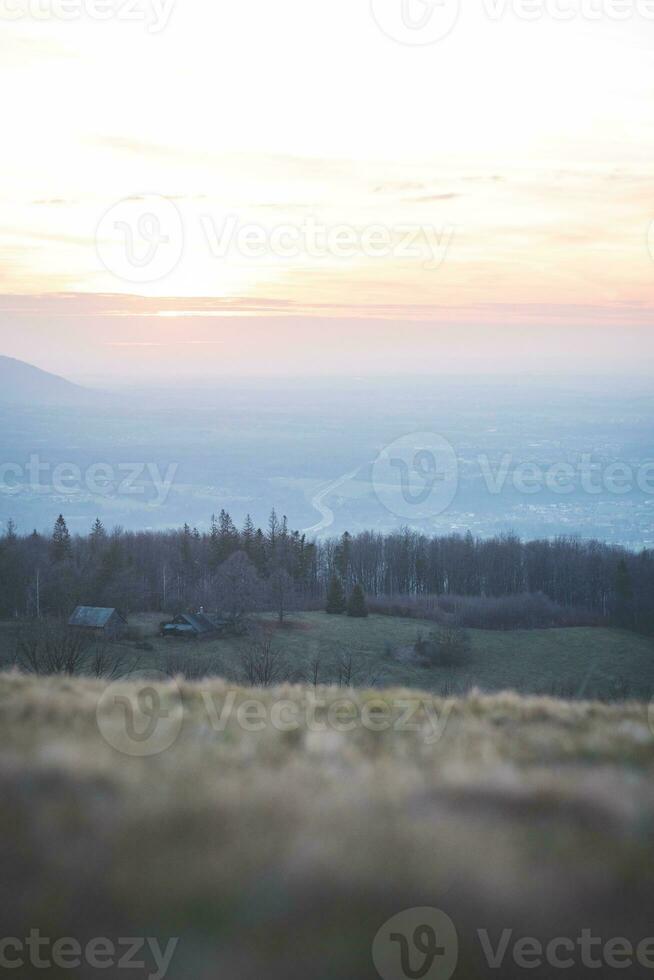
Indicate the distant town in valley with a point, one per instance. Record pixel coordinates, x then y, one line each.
535 456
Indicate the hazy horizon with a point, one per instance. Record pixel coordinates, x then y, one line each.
318 449
128 351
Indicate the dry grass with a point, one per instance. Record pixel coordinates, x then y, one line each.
280 854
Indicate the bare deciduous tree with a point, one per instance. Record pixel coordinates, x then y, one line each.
282 592
52 648
315 667
345 670
262 664
109 661
239 587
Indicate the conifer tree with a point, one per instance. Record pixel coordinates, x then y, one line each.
259 556
226 541
356 606
185 546
336 604
273 529
247 535
98 536
60 546
342 556
214 544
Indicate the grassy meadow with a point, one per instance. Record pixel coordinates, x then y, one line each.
280 853
570 663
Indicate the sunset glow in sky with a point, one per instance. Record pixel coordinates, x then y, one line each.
500 179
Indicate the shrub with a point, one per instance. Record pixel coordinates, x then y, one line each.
52 647
529 610
449 647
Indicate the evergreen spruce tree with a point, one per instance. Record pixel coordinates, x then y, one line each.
259 556
336 603
214 544
342 556
98 536
273 529
60 546
356 606
226 541
185 545
98 531
10 532
247 536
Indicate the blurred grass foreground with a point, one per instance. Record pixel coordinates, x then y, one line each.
274 832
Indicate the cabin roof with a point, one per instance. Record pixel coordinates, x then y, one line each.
200 622
93 616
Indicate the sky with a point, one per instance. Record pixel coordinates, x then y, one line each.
205 188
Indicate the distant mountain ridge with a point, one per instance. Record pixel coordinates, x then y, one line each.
23 384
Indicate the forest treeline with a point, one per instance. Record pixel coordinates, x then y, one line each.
236 570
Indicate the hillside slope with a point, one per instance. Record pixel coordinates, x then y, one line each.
24 384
